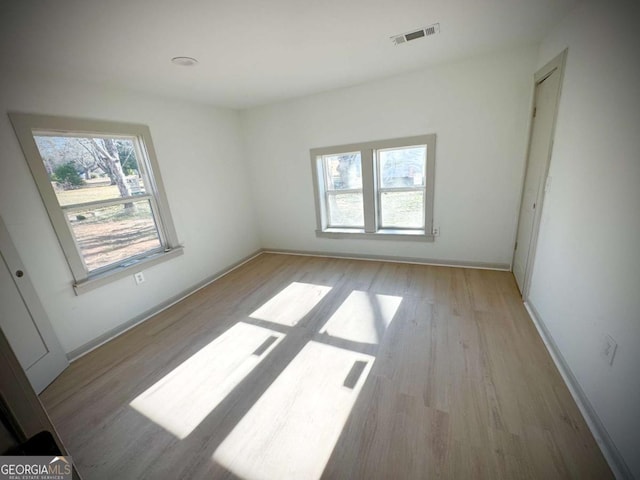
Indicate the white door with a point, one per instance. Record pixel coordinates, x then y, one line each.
24 321
545 98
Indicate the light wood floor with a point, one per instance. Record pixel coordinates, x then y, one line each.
297 367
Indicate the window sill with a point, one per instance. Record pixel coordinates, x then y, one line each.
117 273
384 234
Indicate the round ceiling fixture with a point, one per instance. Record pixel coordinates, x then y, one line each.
184 61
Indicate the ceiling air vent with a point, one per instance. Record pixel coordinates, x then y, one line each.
423 32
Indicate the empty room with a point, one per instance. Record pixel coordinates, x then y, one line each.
334 239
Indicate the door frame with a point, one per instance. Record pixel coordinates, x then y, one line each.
39 372
21 407
556 64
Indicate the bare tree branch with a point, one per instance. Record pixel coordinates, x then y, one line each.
101 149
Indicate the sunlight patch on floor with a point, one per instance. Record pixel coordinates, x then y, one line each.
291 305
291 431
363 317
184 397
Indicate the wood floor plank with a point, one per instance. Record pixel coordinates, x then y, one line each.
307 367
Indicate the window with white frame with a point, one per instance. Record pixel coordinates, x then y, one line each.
343 187
380 189
101 186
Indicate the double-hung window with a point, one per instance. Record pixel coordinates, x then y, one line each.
102 189
343 187
380 189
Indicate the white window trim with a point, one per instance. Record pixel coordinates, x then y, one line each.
370 191
26 124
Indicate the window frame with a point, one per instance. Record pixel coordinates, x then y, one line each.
329 192
371 190
27 126
381 190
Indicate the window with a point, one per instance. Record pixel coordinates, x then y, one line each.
343 184
401 187
101 186
380 189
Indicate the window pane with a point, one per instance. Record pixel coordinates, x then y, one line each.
346 210
107 235
343 171
402 209
88 169
402 167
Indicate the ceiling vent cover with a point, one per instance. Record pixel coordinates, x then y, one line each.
414 35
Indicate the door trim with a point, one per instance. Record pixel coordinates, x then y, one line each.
556 64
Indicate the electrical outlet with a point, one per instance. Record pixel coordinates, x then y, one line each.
435 231
139 278
609 349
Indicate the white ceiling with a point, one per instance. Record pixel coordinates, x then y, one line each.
253 52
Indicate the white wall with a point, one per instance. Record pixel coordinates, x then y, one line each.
200 156
479 110
586 278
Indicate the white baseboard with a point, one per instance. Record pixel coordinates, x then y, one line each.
395 259
609 450
138 319
604 441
